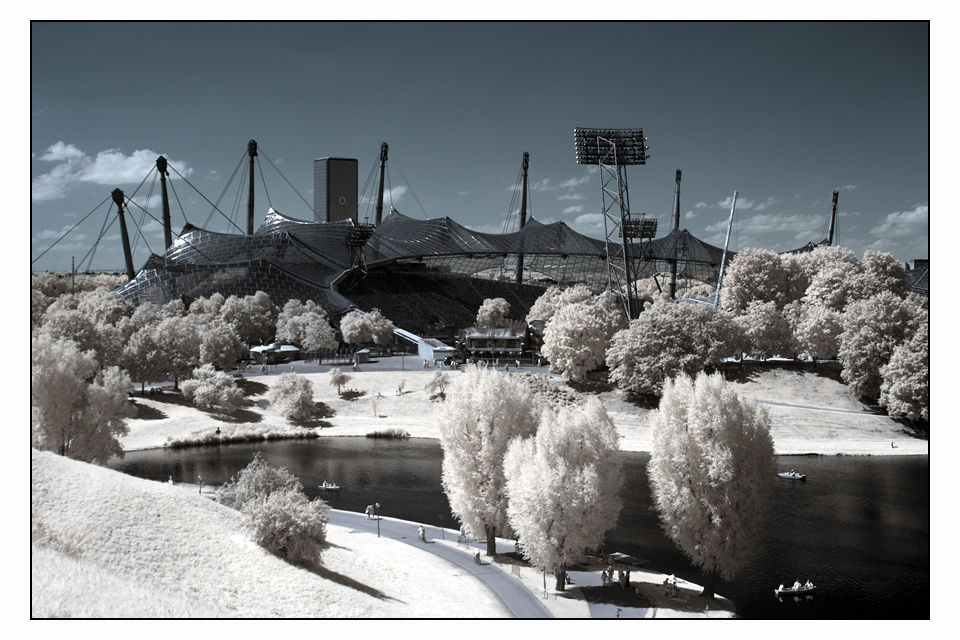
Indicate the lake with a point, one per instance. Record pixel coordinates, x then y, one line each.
858 527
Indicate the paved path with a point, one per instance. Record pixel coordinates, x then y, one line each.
518 600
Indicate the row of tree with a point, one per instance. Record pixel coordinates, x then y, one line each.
551 475
89 347
824 304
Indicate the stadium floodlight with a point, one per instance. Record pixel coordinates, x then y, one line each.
594 146
643 228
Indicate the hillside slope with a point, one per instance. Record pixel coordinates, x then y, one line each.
111 545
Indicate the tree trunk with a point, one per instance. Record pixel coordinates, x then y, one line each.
709 579
491 540
561 579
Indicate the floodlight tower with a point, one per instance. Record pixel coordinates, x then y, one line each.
612 150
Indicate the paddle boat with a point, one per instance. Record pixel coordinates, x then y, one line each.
792 475
806 589
329 486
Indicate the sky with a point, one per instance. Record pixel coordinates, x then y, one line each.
783 113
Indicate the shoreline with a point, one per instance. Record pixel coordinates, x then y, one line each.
811 412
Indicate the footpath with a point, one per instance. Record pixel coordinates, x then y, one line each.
528 593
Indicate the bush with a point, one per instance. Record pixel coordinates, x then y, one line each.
282 519
255 482
212 389
289 525
292 397
389 434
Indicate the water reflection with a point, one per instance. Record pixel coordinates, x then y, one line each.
858 527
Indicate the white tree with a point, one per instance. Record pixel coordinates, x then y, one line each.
103 306
254 317
209 388
292 396
765 332
492 312
484 411
576 338
881 272
905 390
754 275
711 471
179 339
545 306
872 329
354 329
306 325
563 486
437 385
381 329
669 338
219 345
338 378
834 277
143 358
817 332
76 410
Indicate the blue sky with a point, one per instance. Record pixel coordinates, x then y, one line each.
783 113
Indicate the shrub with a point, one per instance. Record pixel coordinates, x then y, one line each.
292 397
289 525
255 482
209 388
389 434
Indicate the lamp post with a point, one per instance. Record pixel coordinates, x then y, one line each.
377 512
200 483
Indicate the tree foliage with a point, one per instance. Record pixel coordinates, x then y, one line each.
667 339
817 332
905 390
484 411
77 409
281 518
576 338
209 388
754 275
872 329
711 471
562 486
834 277
764 331
255 482
338 378
306 325
364 328
292 396
254 318
492 312
437 385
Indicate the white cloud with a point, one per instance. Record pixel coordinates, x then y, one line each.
847 187
575 182
395 194
213 175
574 209
701 205
571 196
904 223
463 193
769 203
109 168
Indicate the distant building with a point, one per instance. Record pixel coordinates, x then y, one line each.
334 189
507 341
919 275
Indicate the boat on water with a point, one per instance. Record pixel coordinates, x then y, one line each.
807 589
328 486
792 475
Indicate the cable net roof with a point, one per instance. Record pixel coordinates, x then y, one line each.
289 258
